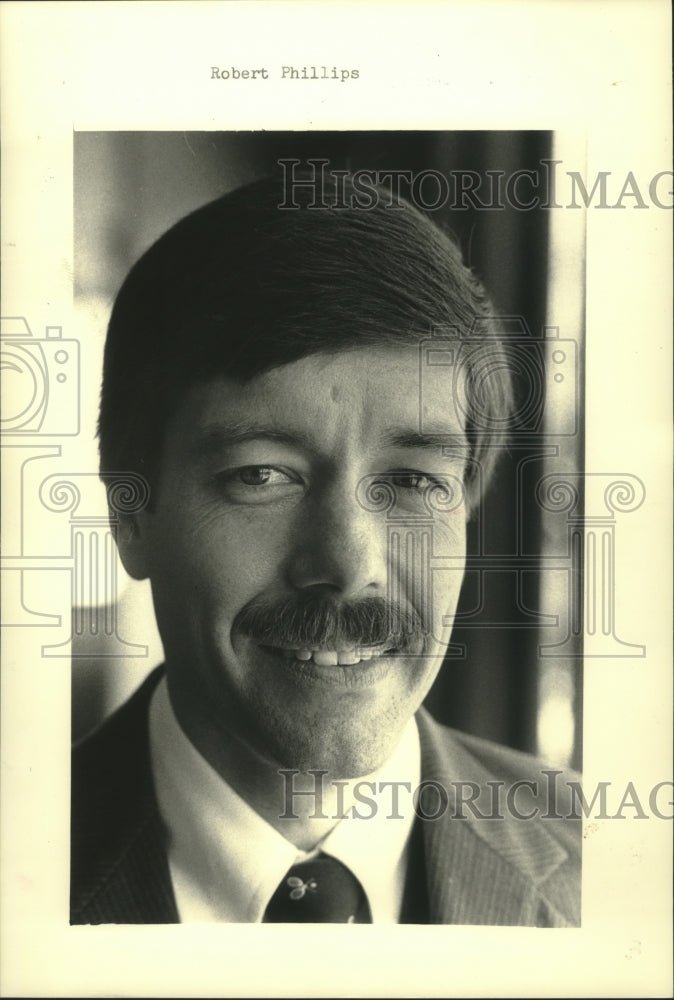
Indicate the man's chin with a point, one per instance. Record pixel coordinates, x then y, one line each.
342 758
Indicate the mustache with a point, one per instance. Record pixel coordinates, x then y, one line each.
311 621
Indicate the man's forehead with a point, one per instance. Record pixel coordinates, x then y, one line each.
373 394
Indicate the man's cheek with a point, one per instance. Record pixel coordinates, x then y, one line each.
258 552
449 534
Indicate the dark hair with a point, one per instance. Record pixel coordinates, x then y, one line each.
241 286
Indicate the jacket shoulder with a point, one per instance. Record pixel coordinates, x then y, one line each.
497 762
119 870
518 806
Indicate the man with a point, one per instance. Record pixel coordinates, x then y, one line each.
262 373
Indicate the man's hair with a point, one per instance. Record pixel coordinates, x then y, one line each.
241 286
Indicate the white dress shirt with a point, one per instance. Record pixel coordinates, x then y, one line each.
226 861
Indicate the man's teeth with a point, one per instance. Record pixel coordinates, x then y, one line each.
333 657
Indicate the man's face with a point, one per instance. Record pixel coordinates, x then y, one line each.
292 524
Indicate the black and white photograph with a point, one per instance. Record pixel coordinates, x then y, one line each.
309 596
334 566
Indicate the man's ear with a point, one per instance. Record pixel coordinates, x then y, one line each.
132 536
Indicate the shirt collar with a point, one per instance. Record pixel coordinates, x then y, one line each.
226 861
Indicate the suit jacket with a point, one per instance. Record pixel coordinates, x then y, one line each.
476 871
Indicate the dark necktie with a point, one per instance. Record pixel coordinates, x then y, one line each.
321 891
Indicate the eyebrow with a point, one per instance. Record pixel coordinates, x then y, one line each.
215 437
416 439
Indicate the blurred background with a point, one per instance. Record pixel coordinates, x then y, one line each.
513 671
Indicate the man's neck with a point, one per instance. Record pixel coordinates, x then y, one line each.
302 805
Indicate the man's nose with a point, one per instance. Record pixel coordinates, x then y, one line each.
340 546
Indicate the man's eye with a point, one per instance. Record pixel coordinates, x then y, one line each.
412 488
412 481
256 484
262 475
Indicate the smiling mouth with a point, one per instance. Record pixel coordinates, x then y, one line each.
323 657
